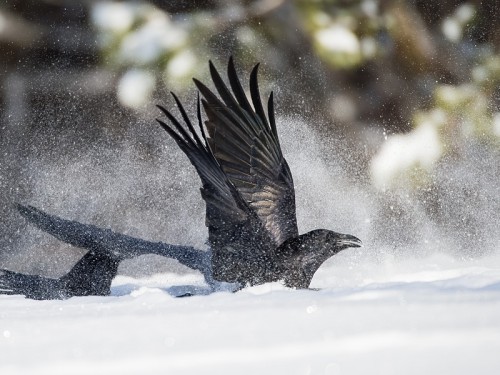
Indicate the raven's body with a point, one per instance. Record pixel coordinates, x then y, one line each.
249 194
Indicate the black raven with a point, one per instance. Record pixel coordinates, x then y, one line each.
91 275
248 190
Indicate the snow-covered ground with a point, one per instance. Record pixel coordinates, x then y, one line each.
433 315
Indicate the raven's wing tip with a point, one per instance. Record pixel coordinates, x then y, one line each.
26 210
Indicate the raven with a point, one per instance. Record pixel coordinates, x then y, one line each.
248 190
91 275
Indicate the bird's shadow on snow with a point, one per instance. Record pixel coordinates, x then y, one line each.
130 286
172 284
174 291
495 287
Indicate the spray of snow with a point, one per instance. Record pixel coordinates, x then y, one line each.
404 153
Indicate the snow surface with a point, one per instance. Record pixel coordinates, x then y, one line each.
371 315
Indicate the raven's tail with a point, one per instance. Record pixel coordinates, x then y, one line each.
32 286
106 242
91 275
13 282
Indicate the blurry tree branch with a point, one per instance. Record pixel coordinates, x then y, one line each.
17 32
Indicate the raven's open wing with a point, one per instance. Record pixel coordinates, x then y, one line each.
247 148
100 240
239 241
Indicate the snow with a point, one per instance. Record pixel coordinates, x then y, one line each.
337 38
452 29
156 37
117 17
496 124
402 154
135 88
454 25
372 314
181 64
180 68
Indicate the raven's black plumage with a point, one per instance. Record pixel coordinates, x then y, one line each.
91 275
248 190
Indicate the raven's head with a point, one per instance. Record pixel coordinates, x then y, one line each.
309 251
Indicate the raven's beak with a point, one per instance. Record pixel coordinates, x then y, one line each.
349 241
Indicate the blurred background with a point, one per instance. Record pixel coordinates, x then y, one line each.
388 110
